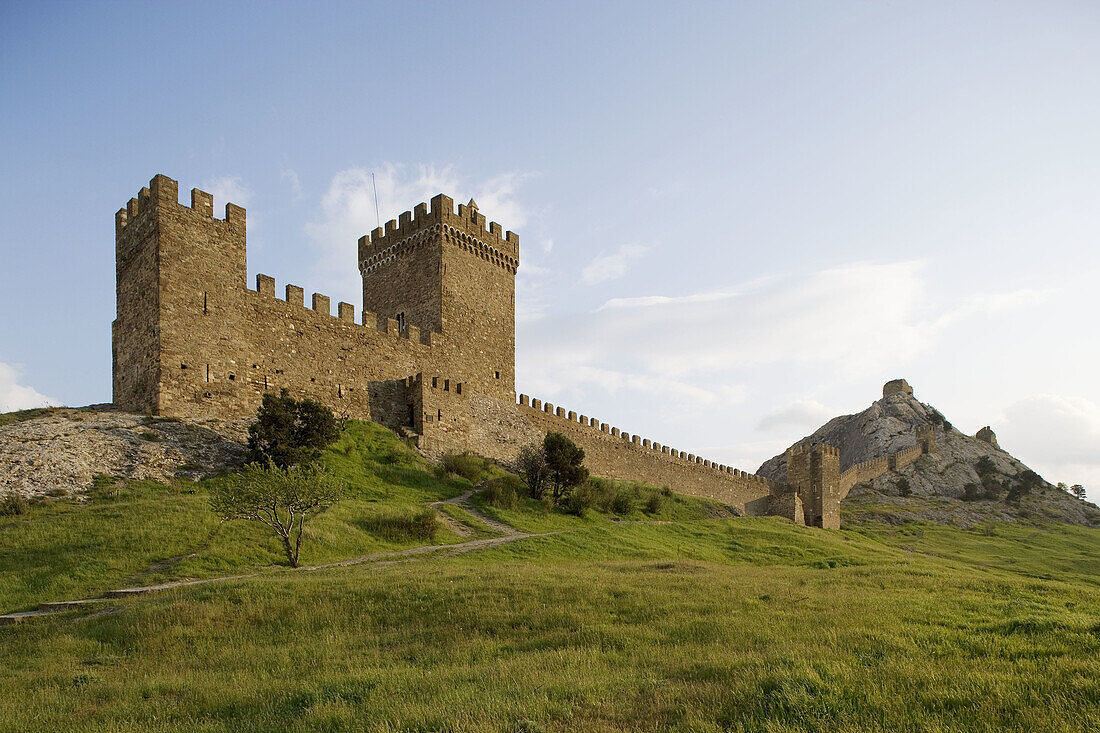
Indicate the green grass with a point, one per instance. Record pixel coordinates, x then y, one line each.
746 624
477 528
142 532
688 620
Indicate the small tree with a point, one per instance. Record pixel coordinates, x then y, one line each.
1077 490
284 499
290 432
903 487
563 459
532 464
984 467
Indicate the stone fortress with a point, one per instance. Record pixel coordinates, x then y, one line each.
432 355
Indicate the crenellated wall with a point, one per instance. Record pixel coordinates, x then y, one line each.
872 469
432 355
190 339
611 453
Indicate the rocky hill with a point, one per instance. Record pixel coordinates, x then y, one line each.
966 480
58 451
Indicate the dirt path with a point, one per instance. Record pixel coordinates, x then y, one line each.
463 500
509 534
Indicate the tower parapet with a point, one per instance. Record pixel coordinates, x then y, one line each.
385 243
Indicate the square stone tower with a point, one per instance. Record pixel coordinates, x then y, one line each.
449 274
179 280
813 470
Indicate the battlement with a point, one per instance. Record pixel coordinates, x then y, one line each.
193 339
436 384
871 469
602 431
823 448
321 305
466 229
163 192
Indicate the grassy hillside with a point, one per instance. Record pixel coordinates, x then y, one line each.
669 622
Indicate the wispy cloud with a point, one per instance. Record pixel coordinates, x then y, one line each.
228 190
291 177
15 396
1060 434
688 358
348 211
800 415
612 265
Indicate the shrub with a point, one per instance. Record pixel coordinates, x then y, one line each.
622 504
598 493
474 469
1077 490
578 503
289 432
424 525
653 503
994 490
903 487
503 492
13 505
972 492
985 467
1029 480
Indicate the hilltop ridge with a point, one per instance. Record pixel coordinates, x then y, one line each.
937 482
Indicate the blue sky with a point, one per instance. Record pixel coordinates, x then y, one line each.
736 219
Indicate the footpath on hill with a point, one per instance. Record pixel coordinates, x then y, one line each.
507 534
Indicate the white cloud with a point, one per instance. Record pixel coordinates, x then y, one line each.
1061 433
348 211
15 396
835 319
801 415
669 365
291 177
611 266
228 190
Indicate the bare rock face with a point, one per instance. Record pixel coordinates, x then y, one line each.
64 449
937 482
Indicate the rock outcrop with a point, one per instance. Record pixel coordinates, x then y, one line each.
936 485
62 450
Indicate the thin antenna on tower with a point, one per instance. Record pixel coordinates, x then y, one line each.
377 219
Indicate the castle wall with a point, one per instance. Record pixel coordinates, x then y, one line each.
453 273
612 454
872 469
192 340
135 333
813 471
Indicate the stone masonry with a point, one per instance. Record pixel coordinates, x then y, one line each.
431 356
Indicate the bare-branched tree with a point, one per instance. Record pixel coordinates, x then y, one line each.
284 499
